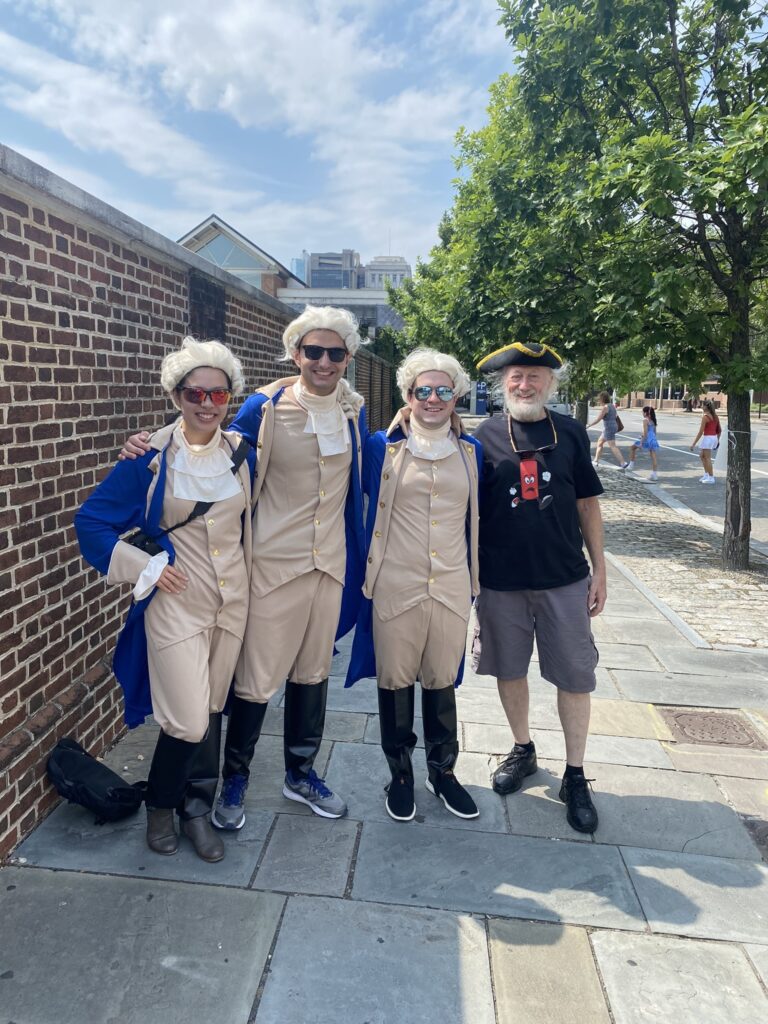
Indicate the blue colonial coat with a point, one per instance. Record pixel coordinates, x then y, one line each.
117 505
379 451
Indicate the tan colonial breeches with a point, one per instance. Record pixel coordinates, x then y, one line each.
190 680
289 635
425 643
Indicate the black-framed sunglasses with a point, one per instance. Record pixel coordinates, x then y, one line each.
316 352
219 396
423 392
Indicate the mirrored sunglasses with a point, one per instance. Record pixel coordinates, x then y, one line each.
443 392
316 352
219 396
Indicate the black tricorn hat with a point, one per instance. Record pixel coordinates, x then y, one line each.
521 353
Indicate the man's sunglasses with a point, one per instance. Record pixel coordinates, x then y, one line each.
422 393
219 396
316 353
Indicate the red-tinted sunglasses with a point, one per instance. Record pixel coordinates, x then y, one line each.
219 396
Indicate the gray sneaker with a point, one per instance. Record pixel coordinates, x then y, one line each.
229 812
314 792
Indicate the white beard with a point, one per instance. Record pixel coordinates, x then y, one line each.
524 412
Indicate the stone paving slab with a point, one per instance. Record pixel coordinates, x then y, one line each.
747 796
692 690
359 772
624 655
703 897
505 876
666 810
339 725
338 961
649 979
615 628
308 855
94 949
715 760
373 732
544 974
69 839
759 957
360 697
495 739
722 665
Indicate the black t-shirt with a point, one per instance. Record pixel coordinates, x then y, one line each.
530 538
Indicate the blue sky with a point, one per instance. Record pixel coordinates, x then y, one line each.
316 124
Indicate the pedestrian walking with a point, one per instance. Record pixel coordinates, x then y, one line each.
708 439
647 443
539 508
190 496
421 477
608 416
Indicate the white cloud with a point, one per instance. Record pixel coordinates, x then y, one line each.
319 71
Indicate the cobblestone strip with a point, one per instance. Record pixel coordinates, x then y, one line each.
679 560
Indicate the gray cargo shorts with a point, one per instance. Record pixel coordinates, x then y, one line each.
508 620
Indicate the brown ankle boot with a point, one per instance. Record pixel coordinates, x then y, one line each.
207 844
161 833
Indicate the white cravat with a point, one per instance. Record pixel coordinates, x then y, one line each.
202 472
431 443
325 419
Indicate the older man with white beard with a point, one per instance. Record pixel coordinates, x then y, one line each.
539 507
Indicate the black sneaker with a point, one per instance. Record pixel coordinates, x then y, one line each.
400 804
581 813
456 799
519 763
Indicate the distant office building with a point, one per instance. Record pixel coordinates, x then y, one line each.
218 242
383 270
333 269
299 266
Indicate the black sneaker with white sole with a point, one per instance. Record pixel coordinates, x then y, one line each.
456 799
400 803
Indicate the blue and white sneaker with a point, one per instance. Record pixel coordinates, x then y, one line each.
313 792
229 812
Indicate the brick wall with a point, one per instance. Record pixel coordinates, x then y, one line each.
86 316
90 302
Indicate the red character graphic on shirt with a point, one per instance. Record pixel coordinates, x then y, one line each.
531 482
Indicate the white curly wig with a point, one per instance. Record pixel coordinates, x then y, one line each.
422 360
321 318
193 354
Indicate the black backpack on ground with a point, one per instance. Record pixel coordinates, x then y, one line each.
83 780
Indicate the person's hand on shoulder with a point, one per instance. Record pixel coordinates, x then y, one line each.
135 446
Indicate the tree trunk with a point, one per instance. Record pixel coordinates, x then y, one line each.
581 413
738 484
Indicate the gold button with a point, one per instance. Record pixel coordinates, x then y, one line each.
222 583
382 504
369 561
215 551
322 494
434 522
211 522
431 579
317 522
386 476
314 551
259 444
391 449
435 494
377 533
433 553
322 462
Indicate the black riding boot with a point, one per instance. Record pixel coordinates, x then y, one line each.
304 724
397 741
246 718
166 784
442 748
195 807
203 773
